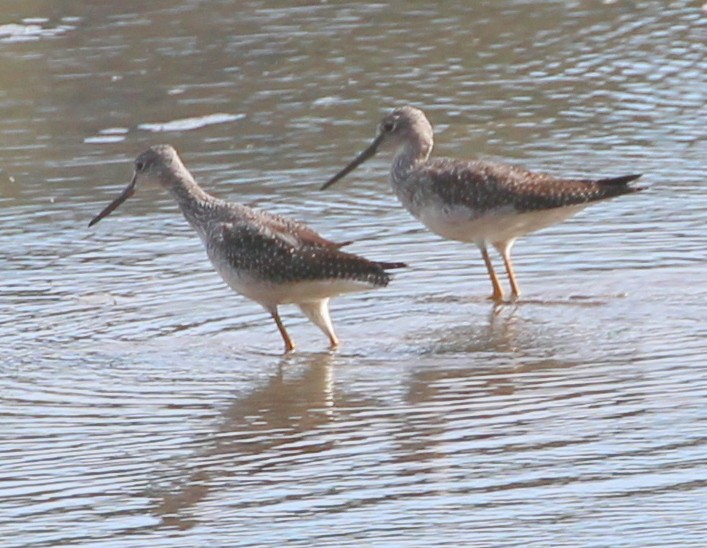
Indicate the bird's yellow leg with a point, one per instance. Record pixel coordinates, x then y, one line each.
289 345
497 289
506 254
318 314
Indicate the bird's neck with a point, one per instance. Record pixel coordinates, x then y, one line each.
409 158
413 154
191 198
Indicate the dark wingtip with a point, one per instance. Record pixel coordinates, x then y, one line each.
392 266
623 180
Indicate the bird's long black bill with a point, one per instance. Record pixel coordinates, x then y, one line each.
129 191
365 155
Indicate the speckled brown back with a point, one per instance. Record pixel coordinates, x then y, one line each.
276 257
483 186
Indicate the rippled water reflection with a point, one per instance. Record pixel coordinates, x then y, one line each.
144 403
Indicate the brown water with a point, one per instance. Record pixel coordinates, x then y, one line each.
144 404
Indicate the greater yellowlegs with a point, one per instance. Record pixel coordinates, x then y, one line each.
267 258
477 201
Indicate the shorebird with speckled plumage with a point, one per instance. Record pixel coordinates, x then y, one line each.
267 258
485 203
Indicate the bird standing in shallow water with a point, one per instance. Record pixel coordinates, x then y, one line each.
267 258
477 201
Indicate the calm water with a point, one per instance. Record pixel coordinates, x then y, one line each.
144 404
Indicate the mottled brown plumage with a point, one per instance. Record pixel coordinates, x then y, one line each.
485 186
268 258
281 257
482 202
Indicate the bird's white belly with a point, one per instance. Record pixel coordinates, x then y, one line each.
500 225
270 294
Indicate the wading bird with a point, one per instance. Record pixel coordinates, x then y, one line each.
267 258
477 201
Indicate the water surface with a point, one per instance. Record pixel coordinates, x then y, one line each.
144 403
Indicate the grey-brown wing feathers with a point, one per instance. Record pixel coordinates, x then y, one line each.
482 186
278 223
279 257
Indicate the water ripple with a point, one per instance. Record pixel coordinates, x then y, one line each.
146 404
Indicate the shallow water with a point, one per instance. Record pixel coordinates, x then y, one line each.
144 403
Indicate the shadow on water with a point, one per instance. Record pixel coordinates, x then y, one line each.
527 328
507 345
301 414
265 430
139 398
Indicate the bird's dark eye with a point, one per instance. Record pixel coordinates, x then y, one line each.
139 165
388 126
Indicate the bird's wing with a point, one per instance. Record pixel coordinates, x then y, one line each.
296 230
279 256
482 185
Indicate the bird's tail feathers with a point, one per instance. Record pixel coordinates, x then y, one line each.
623 180
620 185
391 266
